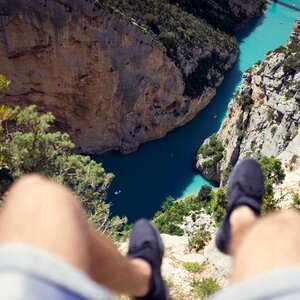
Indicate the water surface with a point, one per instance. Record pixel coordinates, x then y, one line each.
165 167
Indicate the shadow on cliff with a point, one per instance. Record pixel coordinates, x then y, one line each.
165 167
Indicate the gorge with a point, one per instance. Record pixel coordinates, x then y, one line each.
84 59
165 167
111 83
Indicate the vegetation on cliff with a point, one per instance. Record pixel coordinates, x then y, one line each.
228 19
28 145
263 118
213 152
274 174
292 53
182 34
214 202
206 287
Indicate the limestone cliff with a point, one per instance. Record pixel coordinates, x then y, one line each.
107 81
264 116
213 264
229 15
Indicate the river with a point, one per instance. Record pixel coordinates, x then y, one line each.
165 167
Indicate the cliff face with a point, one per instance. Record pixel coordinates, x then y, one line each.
228 15
107 81
263 118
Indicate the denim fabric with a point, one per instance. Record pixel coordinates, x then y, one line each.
282 284
31 273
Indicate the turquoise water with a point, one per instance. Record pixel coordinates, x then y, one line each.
165 167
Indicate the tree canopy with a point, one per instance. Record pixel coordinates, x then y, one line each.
27 145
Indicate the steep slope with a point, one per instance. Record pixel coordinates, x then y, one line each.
264 116
109 83
228 15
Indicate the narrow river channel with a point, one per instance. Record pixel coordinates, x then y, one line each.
165 167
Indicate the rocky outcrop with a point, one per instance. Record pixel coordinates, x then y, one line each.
108 82
214 263
229 15
263 118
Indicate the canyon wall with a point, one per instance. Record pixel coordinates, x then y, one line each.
106 80
228 15
263 118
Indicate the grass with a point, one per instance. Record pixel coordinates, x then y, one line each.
193 267
199 239
169 282
206 287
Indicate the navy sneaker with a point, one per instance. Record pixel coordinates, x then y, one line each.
145 243
245 187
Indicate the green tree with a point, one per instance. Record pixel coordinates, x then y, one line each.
28 145
272 169
218 204
274 174
205 193
199 239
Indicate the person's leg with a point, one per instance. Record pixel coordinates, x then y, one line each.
45 214
262 245
257 245
242 220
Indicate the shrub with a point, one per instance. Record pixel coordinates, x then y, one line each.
272 169
296 201
270 204
244 100
294 159
4 83
218 204
274 174
193 267
205 194
227 172
173 213
199 239
273 130
288 135
253 144
239 122
169 282
213 149
270 114
291 64
206 287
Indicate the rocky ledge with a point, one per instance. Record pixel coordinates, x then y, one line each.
108 82
263 118
212 262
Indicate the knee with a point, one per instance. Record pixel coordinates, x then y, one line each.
29 182
286 222
43 196
35 204
283 218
